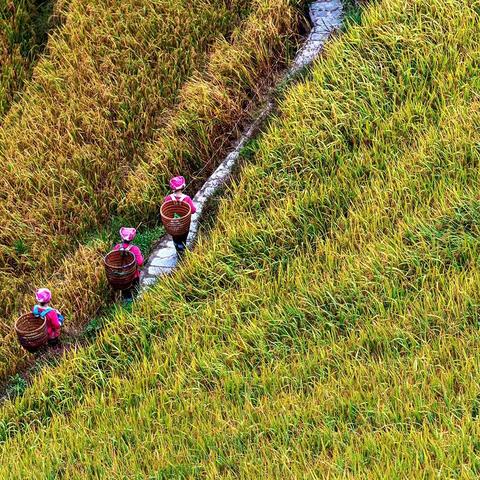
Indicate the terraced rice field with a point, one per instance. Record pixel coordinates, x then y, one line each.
126 94
327 324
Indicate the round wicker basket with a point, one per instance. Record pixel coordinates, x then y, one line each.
176 226
31 331
121 268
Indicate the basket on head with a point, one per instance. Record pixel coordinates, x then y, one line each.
176 226
121 268
31 331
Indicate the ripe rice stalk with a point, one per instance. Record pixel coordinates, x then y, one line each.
24 27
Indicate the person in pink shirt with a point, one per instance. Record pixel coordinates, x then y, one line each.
127 234
177 184
53 317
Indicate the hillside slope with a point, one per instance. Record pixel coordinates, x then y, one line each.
328 324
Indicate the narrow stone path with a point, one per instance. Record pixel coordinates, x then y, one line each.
326 17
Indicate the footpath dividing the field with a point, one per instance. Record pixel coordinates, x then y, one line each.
326 17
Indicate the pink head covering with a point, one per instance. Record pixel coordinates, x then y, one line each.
176 183
128 234
43 295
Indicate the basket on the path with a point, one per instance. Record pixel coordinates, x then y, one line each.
121 268
31 331
176 226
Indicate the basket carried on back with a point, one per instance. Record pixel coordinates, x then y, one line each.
121 268
176 226
31 331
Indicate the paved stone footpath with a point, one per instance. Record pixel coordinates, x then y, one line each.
326 17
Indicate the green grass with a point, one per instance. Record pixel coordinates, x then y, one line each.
328 326
352 13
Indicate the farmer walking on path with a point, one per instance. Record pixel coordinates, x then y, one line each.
127 234
54 318
177 184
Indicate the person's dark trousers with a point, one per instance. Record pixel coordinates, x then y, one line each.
180 243
132 291
53 341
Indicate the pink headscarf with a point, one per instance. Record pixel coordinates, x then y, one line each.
176 183
43 295
128 234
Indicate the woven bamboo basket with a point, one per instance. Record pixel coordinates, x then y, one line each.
31 331
176 226
120 267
